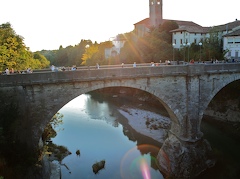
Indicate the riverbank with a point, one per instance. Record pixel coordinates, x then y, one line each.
147 123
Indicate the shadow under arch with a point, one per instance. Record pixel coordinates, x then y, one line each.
218 89
173 114
220 125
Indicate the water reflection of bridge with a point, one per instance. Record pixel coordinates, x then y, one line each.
184 90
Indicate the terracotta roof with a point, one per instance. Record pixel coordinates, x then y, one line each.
234 33
192 29
228 26
145 22
183 23
196 29
180 23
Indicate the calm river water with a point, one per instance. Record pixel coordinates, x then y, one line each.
93 128
100 133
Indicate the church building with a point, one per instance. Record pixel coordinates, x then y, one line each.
189 32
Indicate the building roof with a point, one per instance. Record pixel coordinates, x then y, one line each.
145 22
234 33
227 26
200 29
181 24
192 29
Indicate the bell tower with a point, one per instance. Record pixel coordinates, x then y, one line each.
155 12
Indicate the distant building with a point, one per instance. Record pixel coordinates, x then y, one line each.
190 32
110 52
118 43
231 43
182 35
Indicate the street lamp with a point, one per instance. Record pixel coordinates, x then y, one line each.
188 44
200 44
184 51
173 50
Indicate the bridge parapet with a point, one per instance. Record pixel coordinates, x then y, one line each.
115 73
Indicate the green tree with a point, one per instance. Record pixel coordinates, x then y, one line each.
50 55
13 52
130 52
88 56
43 62
166 29
154 46
99 57
212 46
69 56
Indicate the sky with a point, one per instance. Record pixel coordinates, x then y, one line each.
47 24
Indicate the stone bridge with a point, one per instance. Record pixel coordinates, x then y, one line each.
184 90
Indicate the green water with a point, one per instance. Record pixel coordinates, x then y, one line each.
93 128
226 148
100 133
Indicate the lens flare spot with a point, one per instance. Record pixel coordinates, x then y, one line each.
137 163
145 169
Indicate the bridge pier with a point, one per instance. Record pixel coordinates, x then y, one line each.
185 153
184 159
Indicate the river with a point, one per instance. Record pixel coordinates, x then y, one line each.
93 127
100 132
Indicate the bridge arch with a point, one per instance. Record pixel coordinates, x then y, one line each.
160 96
222 81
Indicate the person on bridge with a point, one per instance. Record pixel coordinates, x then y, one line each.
53 68
134 65
97 66
7 71
29 70
12 71
192 61
74 68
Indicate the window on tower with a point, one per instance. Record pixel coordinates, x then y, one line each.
158 2
152 2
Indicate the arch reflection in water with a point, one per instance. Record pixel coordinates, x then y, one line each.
96 132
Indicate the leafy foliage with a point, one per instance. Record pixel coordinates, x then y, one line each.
49 131
13 52
90 55
69 56
212 46
41 61
130 52
153 47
